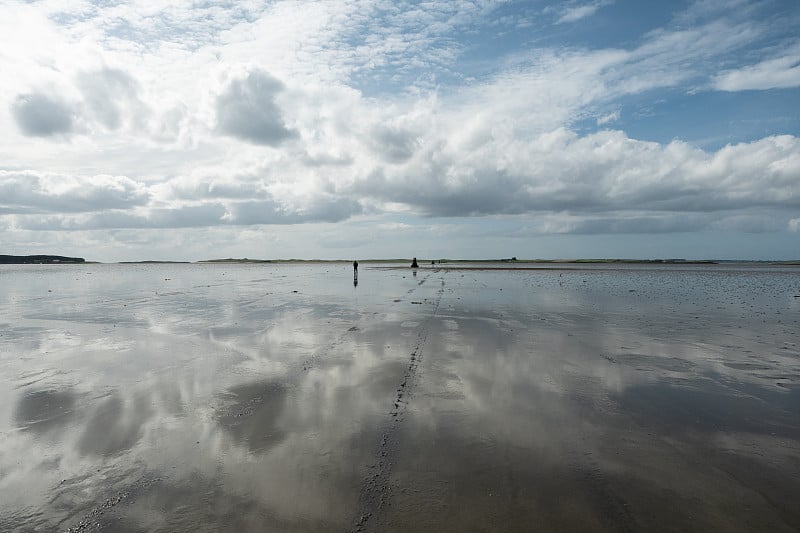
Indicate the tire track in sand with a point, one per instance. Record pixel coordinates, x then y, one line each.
375 492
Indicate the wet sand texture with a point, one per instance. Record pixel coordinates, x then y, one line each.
285 398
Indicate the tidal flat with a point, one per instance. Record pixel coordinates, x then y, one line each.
269 397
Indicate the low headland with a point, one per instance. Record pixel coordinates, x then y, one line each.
38 259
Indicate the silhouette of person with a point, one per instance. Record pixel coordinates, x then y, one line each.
414 263
355 271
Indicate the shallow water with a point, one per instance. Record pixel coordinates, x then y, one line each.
282 397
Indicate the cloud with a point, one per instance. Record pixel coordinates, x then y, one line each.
321 209
605 119
778 73
42 115
375 111
195 187
553 87
744 222
109 95
704 9
326 159
393 144
603 172
206 214
247 110
600 183
229 203
614 222
674 56
190 216
632 222
41 192
573 14
625 223
794 225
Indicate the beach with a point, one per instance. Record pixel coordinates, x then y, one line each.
285 397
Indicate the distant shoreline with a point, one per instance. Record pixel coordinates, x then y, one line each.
454 262
517 263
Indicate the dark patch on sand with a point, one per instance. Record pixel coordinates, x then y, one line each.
710 406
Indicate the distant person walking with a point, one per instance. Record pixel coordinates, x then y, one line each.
414 263
355 269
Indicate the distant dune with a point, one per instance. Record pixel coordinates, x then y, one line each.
232 260
153 262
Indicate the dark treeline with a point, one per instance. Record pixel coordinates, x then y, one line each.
38 259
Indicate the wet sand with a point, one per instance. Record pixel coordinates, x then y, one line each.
284 398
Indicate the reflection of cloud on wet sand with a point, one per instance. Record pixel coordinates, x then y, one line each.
594 412
161 383
534 404
184 505
252 412
44 410
116 425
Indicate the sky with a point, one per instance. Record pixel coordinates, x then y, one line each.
349 129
